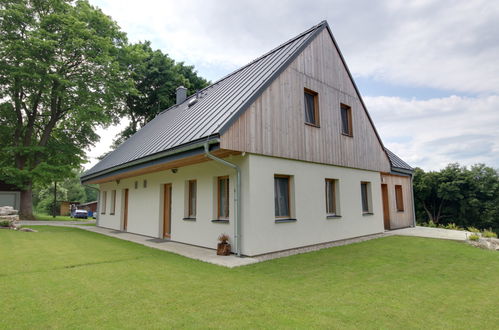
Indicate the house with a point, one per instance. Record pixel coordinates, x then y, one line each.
10 195
279 154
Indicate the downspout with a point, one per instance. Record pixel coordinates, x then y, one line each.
237 197
413 207
98 203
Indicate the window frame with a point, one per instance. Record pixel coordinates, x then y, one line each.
227 196
333 183
288 195
192 207
103 202
399 198
112 209
315 95
349 119
368 205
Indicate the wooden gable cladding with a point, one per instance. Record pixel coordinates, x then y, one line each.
274 124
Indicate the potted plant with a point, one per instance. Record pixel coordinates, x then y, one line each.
223 248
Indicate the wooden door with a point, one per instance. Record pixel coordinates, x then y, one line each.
125 209
386 208
167 210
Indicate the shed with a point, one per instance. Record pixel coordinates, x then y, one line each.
10 195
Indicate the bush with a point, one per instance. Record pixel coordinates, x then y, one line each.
431 224
474 237
489 234
452 226
5 223
474 230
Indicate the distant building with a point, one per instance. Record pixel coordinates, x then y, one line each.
10 195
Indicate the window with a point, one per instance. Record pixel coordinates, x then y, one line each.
281 196
223 197
311 107
331 197
136 184
365 190
191 208
399 198
145 184
113 202
346 120
103 202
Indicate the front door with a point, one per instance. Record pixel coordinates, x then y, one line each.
125 209
167 210
386 208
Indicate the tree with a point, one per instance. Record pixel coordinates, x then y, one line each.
60 77
155 76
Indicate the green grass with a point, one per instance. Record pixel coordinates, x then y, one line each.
47 217
70 278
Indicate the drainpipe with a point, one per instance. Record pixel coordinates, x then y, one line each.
97 216
413 207
237 197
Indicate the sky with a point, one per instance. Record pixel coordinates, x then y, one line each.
428 71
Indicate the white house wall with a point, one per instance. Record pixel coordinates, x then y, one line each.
145 208
261 234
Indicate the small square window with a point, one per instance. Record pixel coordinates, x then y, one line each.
346 120
311 107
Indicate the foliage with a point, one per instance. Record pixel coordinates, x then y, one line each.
223 238
474 237
156 77
489 234
60 78
4 223
473 229
84 271
457 194
452 226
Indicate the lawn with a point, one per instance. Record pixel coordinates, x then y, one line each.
70 278
47 217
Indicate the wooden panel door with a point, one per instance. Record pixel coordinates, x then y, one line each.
167 210
125 209
386 206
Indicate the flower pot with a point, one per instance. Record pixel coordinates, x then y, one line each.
223 249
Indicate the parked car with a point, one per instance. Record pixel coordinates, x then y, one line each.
82 214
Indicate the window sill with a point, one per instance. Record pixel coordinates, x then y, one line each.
111 213
313 125
400 211
220 220
333 216
367 213
285 220
346 134
103 213
189 219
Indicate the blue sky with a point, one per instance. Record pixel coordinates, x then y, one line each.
428 74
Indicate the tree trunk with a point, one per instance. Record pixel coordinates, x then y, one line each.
26 207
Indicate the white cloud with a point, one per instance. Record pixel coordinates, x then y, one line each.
432 133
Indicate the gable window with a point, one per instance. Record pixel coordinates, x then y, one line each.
113 202
191 209
223 197
281 196
399 198
103 202
331 197
365 190
311 107
346 120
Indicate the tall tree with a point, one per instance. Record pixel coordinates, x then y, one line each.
60 78
155 76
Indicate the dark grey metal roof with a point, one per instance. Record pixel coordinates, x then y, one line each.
397 162
217 107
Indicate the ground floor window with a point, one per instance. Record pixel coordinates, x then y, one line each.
103 202
281 196
365 190
191 209
223 197
399 198
113 202
331 197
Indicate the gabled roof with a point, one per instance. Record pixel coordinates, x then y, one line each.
397 163
217 106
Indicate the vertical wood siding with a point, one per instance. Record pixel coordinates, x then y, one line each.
399 219
274 125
